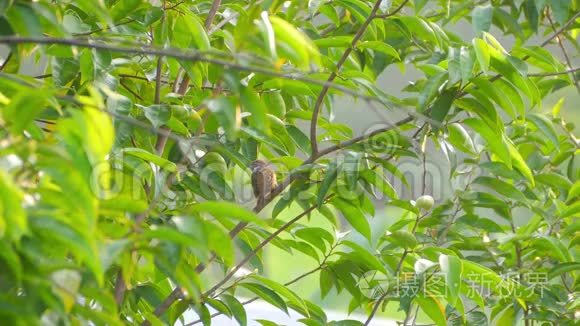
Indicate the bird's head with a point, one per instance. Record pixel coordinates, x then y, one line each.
257 164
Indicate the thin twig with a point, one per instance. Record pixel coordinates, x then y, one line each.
294 280
212 12
258 248
139 78
185 56
555 73
125 86
562 29
341 61
394 11
568 62
397 270
543 44
6 61
103 29
121 285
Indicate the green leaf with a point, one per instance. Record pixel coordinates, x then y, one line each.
24 20
220 243
431 89
237 309
562 268
219 306
304 51
496 95
510 91
545 126
79 244
171 235
494 140
501 187
64 70
11 260
459 138
380 47
365 256
334 42
327 182
282 290
150 157
518 161
265 139
124 203
123 8
377 179
486 278
452 268
13 221
532 15
433 308
505 317
441 106
23 108
354 216
266 294
561 10
571 210
251 103
226 114
481 19
574 191
221 209
300 139
482 54
554 180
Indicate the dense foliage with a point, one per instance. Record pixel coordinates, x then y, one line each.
125 184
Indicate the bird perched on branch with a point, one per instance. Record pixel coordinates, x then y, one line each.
263 180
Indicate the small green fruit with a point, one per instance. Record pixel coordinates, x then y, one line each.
425 202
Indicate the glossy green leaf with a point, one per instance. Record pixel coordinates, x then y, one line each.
266 294
482 54
545 126
451 267
237 309
150 157
220 209
327 182
354 216
433 308
481 18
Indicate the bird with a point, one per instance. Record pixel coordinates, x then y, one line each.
263 180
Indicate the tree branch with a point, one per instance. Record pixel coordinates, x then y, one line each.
341 61
294 280
394 12
258 248
185 56
184 84
559 41
555 73
6 61
121 285
211 15
562 29
103 29
397 270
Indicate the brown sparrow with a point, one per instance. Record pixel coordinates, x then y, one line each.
263 180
